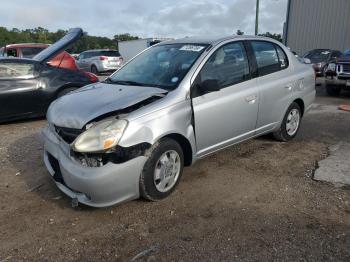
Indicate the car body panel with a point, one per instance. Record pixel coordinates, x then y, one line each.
96 100
244 110
116 183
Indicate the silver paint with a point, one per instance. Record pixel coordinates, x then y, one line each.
221 119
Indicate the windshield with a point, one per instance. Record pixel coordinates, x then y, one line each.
161 66
347 52
318 56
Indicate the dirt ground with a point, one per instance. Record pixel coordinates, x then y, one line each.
255 201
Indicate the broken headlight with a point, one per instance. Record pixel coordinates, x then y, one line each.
100 137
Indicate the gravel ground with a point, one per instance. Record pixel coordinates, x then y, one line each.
255 201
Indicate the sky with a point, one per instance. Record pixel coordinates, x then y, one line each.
146 18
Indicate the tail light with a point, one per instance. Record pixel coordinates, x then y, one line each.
103 58
93 78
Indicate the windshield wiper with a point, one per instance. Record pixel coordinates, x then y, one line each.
127 83
131 83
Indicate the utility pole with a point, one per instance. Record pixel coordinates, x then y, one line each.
257 18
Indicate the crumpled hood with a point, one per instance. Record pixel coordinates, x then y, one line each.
76 109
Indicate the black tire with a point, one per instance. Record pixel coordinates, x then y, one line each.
333 90
94 70
282 134
148 189
65 91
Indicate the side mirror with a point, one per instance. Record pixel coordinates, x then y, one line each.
307 61
209 85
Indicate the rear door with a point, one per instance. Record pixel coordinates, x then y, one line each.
19 83
229 115
275 80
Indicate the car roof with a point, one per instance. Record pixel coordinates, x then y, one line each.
213 40
27 45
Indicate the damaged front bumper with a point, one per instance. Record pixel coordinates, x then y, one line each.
94 186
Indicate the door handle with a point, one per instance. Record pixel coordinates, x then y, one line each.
251 99
289 87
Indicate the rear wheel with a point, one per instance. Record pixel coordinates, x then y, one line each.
66 91
290 125
333 90
94 70
162 171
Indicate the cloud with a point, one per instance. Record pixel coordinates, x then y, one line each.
165 18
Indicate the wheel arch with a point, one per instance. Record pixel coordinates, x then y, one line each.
301 104
185 145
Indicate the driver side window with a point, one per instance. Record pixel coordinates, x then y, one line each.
228 65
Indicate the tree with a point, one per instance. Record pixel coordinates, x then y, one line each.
124 37
239 32
275 36
42 35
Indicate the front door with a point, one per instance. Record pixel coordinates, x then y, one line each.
18 89
227 116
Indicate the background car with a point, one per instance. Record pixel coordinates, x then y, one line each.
63 59
320 58
99 61
28 86
338 74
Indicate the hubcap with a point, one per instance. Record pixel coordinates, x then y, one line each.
167 171
293 121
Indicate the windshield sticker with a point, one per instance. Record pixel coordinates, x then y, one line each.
193 48
174 79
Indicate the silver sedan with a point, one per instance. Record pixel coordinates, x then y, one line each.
174 103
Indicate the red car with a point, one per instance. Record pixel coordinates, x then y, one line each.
62 60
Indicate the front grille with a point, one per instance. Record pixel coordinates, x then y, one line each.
346 68
68 134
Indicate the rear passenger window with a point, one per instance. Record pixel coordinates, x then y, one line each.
266 57
283 59
229 65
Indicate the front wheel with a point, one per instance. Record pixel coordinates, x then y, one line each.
290 124
162 171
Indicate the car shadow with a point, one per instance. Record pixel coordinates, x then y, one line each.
23 121
26 155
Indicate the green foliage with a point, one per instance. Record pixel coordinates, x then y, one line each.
124 37
42 35
275 36
239 32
